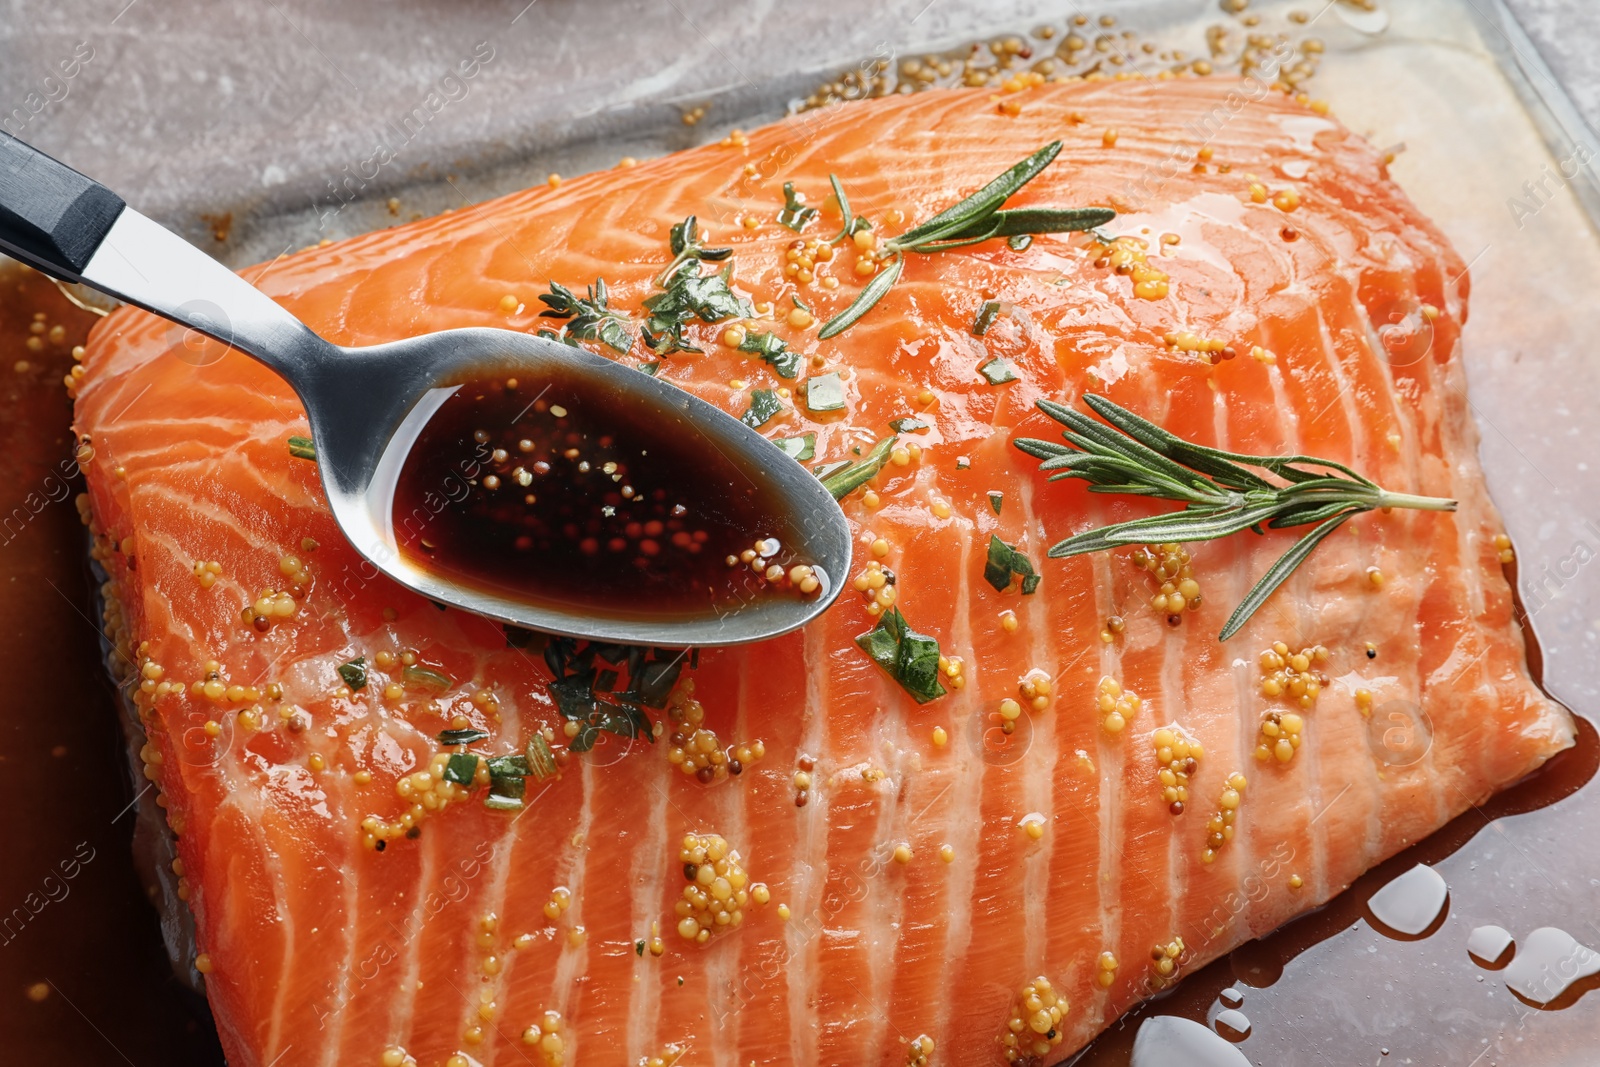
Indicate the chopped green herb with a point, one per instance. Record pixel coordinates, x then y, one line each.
825 392
978 218
801 304
963 463
910 658
842 480
653 368
985 319
502 802
638 948
852 223
515 765
591 319
764 404
684 241
795 214
1005 561
425 676
586 694
995 500
688 295
354 673
998 372
541 761
800 448
301 447
772 349
461 737
461 768
510 786
1019 242
907 424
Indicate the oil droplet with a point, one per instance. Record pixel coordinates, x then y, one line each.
1548 961
1232 1024
1410 904
1168 1039
1487 944
1231 997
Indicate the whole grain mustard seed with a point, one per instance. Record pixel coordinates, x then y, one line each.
1117 706
716 894
1034 1027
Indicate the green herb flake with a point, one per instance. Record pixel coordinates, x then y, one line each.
799 448
764 404
998 372
773 350
591 318
985 319
653 368
910 658
541 761
461 737
354 673
512 766
638 948
795 214
1005 561
963 463
825 392
514 786
907 424
687 294
995 500
502 801
301 447
852 476
461 768
426 677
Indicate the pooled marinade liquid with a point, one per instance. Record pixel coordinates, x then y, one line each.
541 490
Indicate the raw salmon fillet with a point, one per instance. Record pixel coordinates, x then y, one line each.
943 882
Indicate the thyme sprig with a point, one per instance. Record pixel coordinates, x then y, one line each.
591 318
1220 494
978 218
687 294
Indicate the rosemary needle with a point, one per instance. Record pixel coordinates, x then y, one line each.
1221 495
978 218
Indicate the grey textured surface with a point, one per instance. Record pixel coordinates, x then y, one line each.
256 112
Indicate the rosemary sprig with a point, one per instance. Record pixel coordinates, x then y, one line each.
591 318
1221 496
976 219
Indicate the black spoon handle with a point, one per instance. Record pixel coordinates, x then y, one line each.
51 217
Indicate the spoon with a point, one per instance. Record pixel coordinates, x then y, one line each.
366 405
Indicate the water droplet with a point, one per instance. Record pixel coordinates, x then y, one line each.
1412 902
1548 961
1164 1040
1231 997
1232 1024
1487 944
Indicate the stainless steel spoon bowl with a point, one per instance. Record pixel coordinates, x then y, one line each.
366 405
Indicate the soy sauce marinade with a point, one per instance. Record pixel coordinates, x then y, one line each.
539 491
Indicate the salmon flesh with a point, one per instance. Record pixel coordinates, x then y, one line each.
799 861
